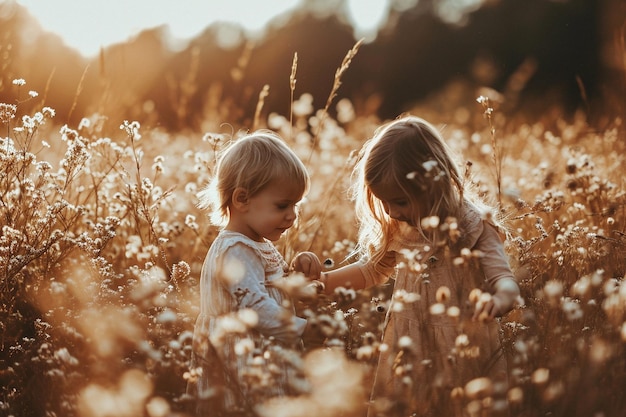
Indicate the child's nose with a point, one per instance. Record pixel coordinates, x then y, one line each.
291 213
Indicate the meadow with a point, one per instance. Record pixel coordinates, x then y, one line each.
102 243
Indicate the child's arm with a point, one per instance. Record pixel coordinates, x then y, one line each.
244 276
347 276
359 275
310 265
505 290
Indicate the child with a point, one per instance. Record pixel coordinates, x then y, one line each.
419 221
246 326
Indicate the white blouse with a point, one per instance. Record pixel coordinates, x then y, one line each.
237 274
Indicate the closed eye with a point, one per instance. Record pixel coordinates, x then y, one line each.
285 206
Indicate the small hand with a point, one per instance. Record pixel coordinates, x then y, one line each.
488 306
307 263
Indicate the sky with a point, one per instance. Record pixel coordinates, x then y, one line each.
88 25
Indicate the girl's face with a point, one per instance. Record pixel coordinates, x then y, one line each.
395 202
268 213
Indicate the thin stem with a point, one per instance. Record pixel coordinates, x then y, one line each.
496 156
292 88
345 64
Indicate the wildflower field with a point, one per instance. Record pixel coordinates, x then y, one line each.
101 246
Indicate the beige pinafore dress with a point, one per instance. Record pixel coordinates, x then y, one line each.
432 343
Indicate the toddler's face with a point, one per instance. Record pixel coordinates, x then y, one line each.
395 202
271 211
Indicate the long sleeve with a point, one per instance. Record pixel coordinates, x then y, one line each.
247 284
494 260
378 274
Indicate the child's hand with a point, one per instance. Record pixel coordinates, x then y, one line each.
490 306
307 263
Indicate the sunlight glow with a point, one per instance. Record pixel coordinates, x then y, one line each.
88 25
366 16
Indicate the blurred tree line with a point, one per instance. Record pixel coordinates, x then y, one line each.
536 54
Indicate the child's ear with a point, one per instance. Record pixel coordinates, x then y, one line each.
239 198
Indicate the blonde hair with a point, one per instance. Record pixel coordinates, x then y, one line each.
251 162
411 154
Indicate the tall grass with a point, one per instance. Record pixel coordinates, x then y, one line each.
101 247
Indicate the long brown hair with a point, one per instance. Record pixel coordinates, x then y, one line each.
409 153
